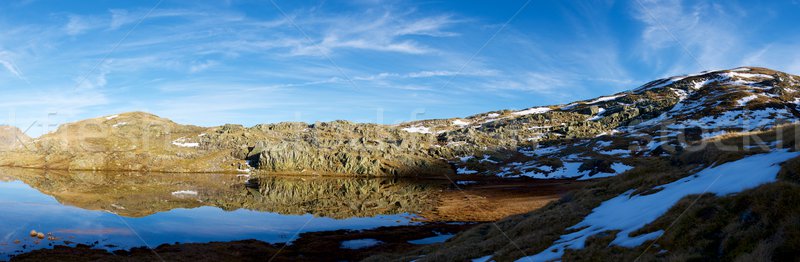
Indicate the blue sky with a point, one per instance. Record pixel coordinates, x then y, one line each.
240 61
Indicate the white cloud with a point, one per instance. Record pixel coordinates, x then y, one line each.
537 82
201 66
94 78
76 25
123 17
781 57
386 32
704 35
426 74
11 68
436 73
8 63
120 17
689 36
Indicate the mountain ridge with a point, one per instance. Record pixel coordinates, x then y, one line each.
701 166
489 143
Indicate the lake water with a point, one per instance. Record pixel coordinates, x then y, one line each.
125 210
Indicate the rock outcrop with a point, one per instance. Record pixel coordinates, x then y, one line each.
11 138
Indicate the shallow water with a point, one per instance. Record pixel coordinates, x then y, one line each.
121 211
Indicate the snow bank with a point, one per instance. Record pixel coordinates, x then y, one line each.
184 193
599 114
460 123
747 119
629 213
748 75
465 171
530 111
616 152
604 98
744 100
466 158
418 129
569 170
181 142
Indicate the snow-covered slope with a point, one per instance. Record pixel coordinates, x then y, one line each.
598 137
697 167
630 212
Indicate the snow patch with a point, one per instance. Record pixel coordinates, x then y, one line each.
185 193
418 129
708 135
181 142
119 124
466 158
748 75
604 98
744 100
111 117
628 213
599 115
530 111
700 84
746 119
465 171
460 123
487 159
568 170
619 152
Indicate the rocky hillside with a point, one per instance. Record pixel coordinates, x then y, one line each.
144 142
712 177
608 135
586 139
729 199
11 138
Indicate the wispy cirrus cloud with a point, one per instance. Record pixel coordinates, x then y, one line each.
426 74
77 25
387 31
685 36
350 59
11 68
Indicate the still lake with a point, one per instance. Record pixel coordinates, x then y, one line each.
125 210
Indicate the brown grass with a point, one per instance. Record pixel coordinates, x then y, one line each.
758 224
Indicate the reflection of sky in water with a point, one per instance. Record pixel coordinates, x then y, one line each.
23 209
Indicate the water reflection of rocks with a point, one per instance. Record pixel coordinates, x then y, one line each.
143 194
